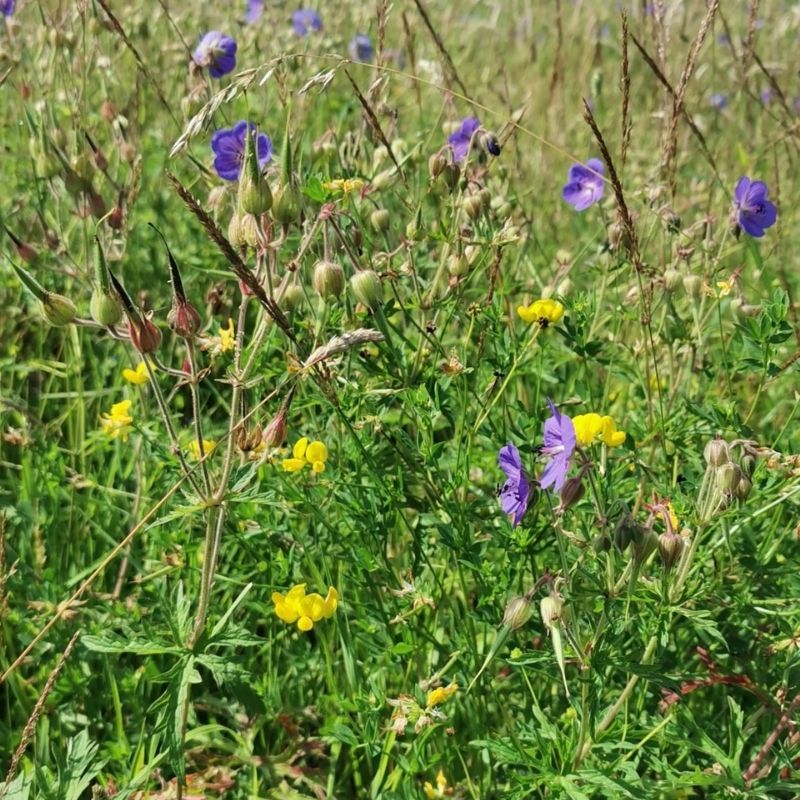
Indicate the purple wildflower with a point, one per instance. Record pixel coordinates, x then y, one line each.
754 212
255 10
718 100
306 20
7 7
360 48
217 52
516 491
767 96
228 145
559 445
462 138
584 185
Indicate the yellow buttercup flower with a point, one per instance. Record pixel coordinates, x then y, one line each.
305 609
117 422
441 694
545 312
227 337
441 789
208 448
136 376
303 452
590 428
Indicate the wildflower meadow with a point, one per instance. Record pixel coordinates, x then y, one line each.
399 399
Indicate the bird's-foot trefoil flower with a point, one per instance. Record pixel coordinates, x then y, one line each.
209 445
228 145
217 52
305 609
516 491
306 453
753 212
441 694
117 423
137 376
544 312
441 790
559 445
585 184
591 428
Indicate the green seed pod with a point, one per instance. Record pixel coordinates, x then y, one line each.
380 219
748 464
367 289
255 196
716 453
643 545
57 309
292 298
287 205
518 611
105 307
457 265
551 608
728 476
450 175
328 279
235 231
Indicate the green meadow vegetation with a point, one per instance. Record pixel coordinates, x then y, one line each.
399 400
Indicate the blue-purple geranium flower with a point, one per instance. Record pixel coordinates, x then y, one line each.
516 491
754 212
306 20
228 145
585 184
255 10
7 7
559 445
217 52
461 139
718 100
360 47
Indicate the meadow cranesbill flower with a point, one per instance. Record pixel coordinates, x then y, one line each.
304 453
217 52
228 145
718 100
590 428
7 7
360 48
305 609
117 423
255 10
543 312
441 789
306 20
559 445
440 694
754 213
460 140
209 445
515 494
585 185
767 96
136 376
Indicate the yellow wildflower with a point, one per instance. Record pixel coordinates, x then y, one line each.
673 517
344 185
305 610
724 287
304 453
441 789
591 427
441 694
544 312
227 337
117 423
136 376
208 448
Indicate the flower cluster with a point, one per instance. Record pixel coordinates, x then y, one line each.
305 609
117 423
306 453
590 428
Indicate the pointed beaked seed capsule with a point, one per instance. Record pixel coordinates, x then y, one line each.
716 453
486 198
670 546
274 434
551 608
328 279
366 288
380 219
287 205
24 250
518 611
144 334
183 318
255 196
57 309
728 476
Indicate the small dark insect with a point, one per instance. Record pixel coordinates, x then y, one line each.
431 327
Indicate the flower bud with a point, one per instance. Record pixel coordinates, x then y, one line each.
450 175
235 231
571 492
472 206
626 531
385 179
328 279
457 265
748 464
254 195
670 546
145 336
551 608
366 287
292 297
518 611
643 545
183 318
287 205
57 309
485 195
716 452
472 253
693 285
743 488
379 219
490 143
672 279
115 218
274 434
436 164
104 307
728 476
